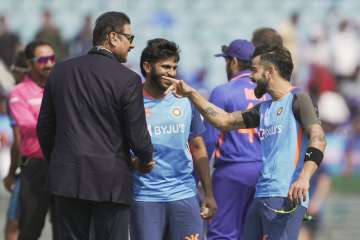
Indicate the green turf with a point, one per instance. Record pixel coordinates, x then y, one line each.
346 184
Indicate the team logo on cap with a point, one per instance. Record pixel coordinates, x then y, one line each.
279 111
176 112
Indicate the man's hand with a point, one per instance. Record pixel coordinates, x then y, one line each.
3 139
142 167
9 182
178 87
208 207
299 189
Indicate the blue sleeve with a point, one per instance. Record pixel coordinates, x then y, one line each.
211 133
197 126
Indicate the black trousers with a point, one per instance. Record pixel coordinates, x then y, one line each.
83 220
34 199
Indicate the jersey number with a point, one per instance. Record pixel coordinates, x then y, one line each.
250 131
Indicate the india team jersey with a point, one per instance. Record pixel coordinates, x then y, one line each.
237 146
283 146
171 123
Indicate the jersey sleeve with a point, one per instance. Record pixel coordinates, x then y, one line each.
197 126
21 112
304 110
252 117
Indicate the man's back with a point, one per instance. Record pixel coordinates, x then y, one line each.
99 115
237 145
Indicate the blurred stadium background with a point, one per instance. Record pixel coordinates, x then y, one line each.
323 36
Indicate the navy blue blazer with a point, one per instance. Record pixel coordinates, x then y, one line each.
92 115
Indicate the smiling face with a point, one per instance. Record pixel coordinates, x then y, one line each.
43 61
166 67
260 76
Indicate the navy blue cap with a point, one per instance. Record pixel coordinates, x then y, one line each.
239 48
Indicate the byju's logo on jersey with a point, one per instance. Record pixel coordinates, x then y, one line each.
270 131
176 112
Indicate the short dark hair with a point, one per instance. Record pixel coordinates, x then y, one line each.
20 60
106 23
31 47
158 49
266 36
19 64
279 56
245 64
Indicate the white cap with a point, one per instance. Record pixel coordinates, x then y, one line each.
333 108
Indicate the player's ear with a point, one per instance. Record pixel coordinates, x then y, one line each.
113 39
147 67
271 69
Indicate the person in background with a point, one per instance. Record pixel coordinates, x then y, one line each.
82 42
237 154
266 36
12 181
24 105
9 43
335 156
50 32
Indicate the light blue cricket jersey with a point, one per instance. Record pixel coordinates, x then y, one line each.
171 123
283 146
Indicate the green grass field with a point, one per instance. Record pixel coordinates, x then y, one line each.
346 184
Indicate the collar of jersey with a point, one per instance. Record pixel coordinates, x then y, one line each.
148 96
241 74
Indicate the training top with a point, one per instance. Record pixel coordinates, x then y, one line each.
24 104
283 141
171 123
241 145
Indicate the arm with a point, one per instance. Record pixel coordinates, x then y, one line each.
310 123
215 115
135 122
9 180
349 157
46 127
201 162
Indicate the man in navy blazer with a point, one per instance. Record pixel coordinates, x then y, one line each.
92 116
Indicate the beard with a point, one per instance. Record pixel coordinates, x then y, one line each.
156 79
261 87
259 91
45 72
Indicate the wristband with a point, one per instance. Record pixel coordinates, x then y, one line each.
314 155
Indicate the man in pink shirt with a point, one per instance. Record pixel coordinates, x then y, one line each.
24 103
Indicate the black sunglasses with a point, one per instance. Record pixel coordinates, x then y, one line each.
44 59
129 37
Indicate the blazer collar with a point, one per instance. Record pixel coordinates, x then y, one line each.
102 51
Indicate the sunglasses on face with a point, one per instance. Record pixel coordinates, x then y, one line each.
129 37
44 59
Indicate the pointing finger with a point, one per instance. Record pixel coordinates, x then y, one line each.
170 89
172 80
